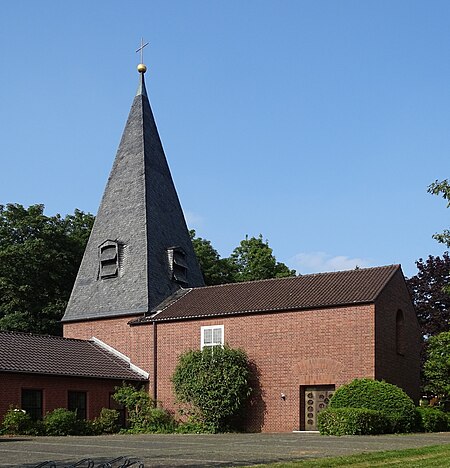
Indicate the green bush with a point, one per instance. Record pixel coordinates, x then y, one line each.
352 421
160 421
193 427
144 416
61 422
18 422
107 422
432 419
378 396
214 384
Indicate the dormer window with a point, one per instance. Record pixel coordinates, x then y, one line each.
177 265
109 259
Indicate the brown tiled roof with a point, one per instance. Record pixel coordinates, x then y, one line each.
54 355
293 293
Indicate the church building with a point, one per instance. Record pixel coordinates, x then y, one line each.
139 301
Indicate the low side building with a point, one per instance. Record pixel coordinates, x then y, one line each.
40 373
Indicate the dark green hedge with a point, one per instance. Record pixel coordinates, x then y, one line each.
352 421
432 419
378 396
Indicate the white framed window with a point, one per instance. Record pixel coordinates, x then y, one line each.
212 336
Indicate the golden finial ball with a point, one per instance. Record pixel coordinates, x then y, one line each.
141 68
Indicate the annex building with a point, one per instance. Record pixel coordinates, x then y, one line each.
139 301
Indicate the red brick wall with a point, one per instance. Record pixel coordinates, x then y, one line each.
289 349
400 369
135 342
55 391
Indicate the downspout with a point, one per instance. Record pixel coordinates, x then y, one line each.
155 361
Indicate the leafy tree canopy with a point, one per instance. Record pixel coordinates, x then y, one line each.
442 188
214 383
39 260
428 290
253 259
437 367
215 270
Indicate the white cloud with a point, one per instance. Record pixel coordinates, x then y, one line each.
193 220
316 262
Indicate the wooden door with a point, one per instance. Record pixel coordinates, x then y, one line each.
314 400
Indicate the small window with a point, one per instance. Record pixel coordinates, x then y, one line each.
32 403
77 403
109 260
178 265
212 336
400 338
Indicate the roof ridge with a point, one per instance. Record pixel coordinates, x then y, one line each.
285 278
393 272
109 355
114 355
318 290
187 291
41 335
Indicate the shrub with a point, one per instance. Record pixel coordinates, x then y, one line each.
192 426
214 383
160 421
61 422
379 396
107 422
143 413
432 419
18 422
352 421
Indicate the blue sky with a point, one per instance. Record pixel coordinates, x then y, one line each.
318 124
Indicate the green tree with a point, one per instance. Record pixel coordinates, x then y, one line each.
437 366
431 301
39 260
442 188
215 270
214 383
253 259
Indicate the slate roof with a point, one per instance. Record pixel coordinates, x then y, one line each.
54 355
140 210
293 293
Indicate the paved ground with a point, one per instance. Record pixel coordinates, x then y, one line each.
221 450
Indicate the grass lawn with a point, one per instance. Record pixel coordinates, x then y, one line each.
435 456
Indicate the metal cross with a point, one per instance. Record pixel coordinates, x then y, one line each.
141 49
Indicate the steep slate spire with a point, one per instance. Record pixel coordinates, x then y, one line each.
139 251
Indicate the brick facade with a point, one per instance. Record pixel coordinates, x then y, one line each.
55 391
134 342
288 351
400 367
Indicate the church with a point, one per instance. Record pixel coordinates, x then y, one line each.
139 301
